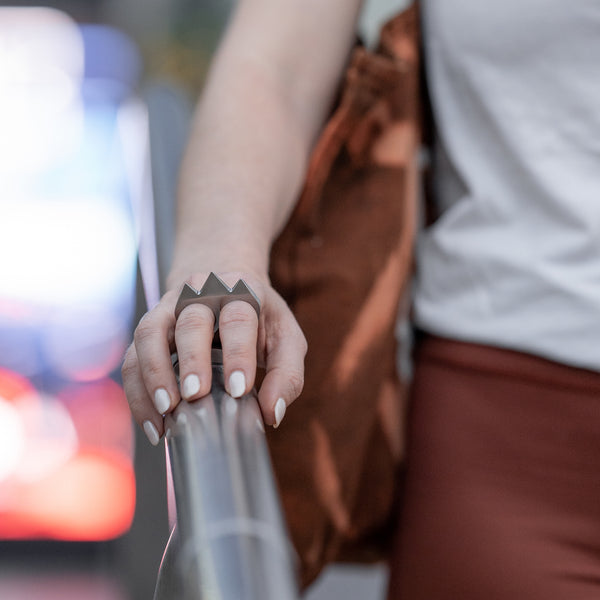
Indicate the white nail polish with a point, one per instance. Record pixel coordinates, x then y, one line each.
191 386
237 384
151 433
280 407
162 400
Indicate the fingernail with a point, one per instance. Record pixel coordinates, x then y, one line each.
151 433
237 384
280 407
191 386
162 400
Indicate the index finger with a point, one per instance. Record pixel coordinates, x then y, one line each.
152 339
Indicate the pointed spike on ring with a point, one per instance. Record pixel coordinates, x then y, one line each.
214 286
241 288
188 291
215 294
188 295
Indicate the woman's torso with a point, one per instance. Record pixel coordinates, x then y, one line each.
514 259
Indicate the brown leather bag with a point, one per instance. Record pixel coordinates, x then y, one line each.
342 263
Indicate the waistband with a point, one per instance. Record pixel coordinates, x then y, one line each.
505 363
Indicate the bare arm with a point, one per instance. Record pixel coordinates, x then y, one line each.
268 91
266 97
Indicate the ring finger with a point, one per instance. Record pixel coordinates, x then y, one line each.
238 329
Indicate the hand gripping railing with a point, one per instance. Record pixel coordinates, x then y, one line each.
230 540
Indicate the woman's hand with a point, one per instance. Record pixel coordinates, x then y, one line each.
268 92
274 341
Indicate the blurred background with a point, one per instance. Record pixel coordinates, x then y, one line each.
95 101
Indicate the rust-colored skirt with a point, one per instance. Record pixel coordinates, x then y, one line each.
503 481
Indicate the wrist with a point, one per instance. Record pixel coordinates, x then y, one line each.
226 240
189 263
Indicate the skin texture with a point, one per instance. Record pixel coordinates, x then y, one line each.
269 90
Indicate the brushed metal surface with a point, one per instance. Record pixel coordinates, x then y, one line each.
230 540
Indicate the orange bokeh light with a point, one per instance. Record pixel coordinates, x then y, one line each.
100 414
91 498
87 495
13 386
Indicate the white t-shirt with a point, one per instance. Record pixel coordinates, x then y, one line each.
514 260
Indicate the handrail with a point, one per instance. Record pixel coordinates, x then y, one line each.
230 540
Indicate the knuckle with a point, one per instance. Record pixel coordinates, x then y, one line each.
236 314
190 356
139 410
295 380
291 332
143 331
288 327
193 318
170 296
239 353
302 342
152 371
154 322
136 405
129 367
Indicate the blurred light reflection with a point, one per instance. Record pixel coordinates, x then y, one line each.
65 466
49 435
68 252
41 70
86 343
100 414
13 440
73 251
64 586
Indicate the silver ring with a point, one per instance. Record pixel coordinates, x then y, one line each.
215 294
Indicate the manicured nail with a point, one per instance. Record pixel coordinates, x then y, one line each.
151 433
280 407
162 400
191 386
237 384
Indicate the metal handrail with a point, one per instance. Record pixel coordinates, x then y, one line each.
230 541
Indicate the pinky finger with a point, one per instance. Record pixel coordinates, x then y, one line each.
284 378
279 389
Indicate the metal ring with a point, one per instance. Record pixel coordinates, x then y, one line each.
216 294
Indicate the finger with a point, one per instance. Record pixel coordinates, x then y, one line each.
284 378
141 406
193 337
151 340
238 330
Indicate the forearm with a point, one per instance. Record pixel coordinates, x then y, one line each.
242 171
267 95
265 100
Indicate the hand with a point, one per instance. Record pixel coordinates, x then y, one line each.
274 341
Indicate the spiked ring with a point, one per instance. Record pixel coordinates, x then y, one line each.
216 294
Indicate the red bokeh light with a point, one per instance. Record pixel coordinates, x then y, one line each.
86 492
